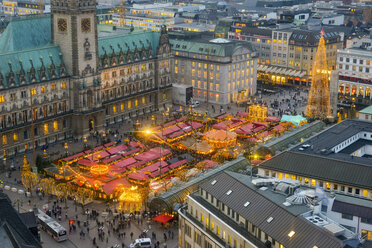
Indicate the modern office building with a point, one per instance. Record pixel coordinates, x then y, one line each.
221 71
63 75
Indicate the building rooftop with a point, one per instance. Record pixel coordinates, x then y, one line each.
325 143
367 110
267 212
213 47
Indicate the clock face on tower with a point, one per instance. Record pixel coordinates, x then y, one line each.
85 24
62 25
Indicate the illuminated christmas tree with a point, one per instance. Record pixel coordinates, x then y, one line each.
319 105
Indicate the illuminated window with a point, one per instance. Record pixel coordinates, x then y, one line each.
2 99
34 91
105 76
114 109
293 177
46 130
306 180
286 176
55 126
15 136
280 176
5 141
136 68
53 87
129 104
129 70
143 100
199 65
291 233
176 69
122 107
217 97
166 63
212 225
43 89
136 103
63 85
143 67
193 72
193 63
313 182
218 230
218 67
207 222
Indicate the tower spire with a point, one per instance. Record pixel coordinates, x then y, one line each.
319 105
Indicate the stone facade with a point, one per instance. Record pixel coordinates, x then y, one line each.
79 82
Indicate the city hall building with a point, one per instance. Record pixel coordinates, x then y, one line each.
62 75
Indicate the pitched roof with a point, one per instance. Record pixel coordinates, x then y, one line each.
113 45
17 228
321 168
261 208
26 33
27 60
209 47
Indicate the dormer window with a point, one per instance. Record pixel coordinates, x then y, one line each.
229 192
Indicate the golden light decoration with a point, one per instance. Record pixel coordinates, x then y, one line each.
130 197
99 169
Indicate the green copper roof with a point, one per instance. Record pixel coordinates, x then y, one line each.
367 110
33 65
110 46
225 48
25 33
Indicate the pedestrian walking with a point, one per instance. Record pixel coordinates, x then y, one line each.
131 235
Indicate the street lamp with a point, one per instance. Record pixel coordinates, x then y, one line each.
66 148
85 142
104 136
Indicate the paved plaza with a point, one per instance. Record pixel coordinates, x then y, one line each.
279 103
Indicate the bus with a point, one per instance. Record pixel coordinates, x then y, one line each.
52 227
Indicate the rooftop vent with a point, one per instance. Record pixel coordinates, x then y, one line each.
317 220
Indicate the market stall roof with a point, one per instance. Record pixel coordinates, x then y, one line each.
176 134
170 123
163 218
73 157
272 119
98 148
139 176
152 154
279 127
125 154
134 144
220 125
242 114
85 162
224 116
110 187
108 144
220 135
208 164
125 162
112 159
117 149
170 130
101 155
178 164
195 125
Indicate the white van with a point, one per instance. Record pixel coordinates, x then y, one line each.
142 243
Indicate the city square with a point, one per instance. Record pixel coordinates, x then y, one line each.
177 124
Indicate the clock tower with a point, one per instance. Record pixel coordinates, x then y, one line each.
74 29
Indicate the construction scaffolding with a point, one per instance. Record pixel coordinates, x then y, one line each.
319 105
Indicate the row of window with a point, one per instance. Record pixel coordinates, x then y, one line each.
130 104
354 68
132 69
325 185
34 92
355 61
46 127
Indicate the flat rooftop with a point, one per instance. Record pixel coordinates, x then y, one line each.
322 143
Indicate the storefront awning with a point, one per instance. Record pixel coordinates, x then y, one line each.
163 218
281 71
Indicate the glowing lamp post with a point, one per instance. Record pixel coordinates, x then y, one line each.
66 148
85 142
